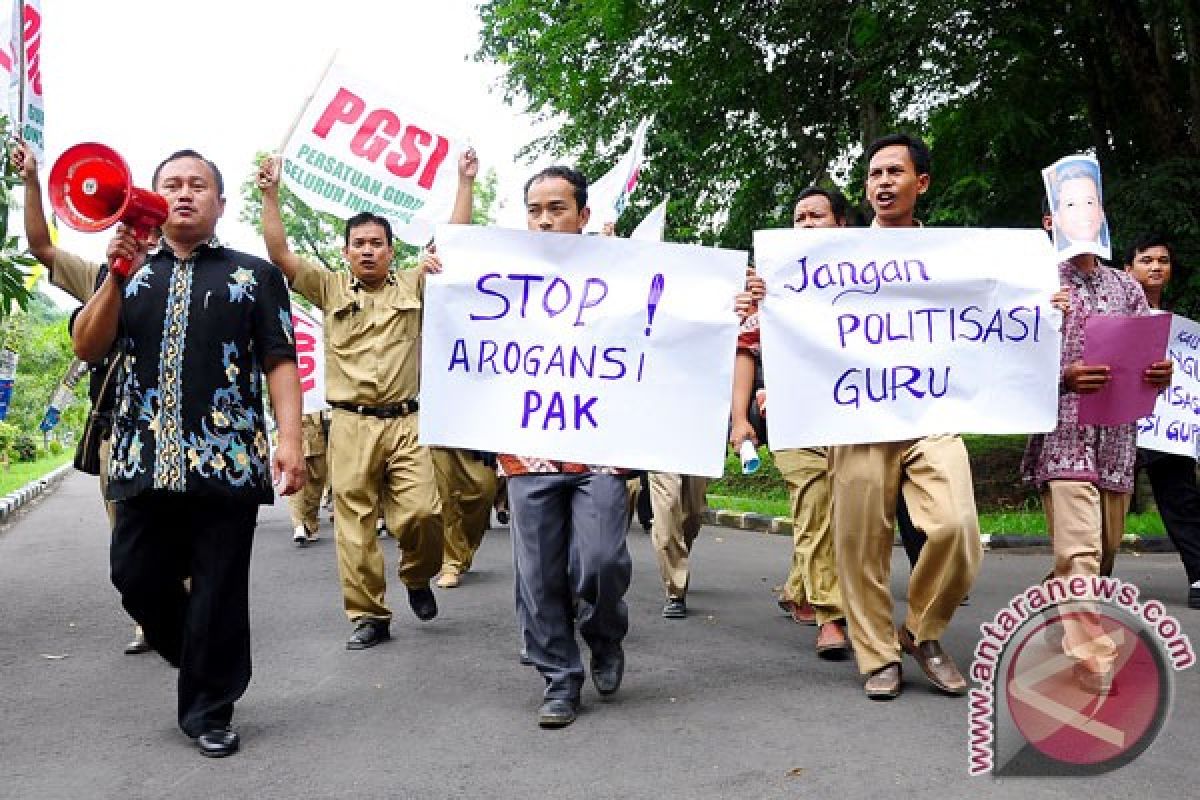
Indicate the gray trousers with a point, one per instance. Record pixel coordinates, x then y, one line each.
571 565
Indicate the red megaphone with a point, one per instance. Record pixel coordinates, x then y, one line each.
91 189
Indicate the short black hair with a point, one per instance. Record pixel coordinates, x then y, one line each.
1144 242
571 176
918 151
367 218
837 200
177 155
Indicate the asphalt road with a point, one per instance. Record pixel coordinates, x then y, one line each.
729 703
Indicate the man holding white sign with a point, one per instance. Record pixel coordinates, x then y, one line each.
552 345
1168 451
892 326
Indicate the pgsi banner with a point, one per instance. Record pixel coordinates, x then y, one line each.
583 348
1174 427
875 335
357 147
310 357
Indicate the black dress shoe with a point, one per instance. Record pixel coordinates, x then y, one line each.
557 713
423 603
368 633
138 645
676 608
1194 597
218 743
608 670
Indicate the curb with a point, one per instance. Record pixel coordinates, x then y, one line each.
19 498
761 523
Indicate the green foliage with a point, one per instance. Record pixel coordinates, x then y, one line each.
43 346
25 448
753 101
8 436
54 447
14 260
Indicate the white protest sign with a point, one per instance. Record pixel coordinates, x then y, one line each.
1174 427
356 147
310 357
875 335
591 349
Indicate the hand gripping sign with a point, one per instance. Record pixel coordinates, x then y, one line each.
582 348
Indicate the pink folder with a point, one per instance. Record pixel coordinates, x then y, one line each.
1127 345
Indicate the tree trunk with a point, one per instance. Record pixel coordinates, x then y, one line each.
1123 25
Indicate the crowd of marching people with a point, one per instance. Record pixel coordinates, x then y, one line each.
196 329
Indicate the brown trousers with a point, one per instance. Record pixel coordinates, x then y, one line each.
934 475
813 576
467 487
377 464
677 501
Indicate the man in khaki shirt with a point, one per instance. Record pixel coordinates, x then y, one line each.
372 318
75 276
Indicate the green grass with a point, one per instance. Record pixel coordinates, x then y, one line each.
20 473
996 523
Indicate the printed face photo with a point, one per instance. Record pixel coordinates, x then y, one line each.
1075 195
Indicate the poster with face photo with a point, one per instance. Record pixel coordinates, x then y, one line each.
1076 197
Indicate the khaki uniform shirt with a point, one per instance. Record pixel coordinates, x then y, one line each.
74 275
372 337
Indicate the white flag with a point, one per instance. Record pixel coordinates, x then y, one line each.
357 147
607 196
21 50
651 227
310 357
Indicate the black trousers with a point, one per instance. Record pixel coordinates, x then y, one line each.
160 539
1173 481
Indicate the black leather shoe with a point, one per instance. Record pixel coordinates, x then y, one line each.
137 645
218 743
1194 597
608 670
368 633
557 713
423 603
675 608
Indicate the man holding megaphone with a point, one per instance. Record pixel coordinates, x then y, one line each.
199 324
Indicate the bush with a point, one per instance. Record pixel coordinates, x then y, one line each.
25 448
8 435
55 447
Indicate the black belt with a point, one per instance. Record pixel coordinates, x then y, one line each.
389 411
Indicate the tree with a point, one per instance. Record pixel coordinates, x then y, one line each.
320 236
13 258
754 100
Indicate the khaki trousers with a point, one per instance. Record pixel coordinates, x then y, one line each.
813 576
467 487
935 477
1085 524
376 464
305 503
677 502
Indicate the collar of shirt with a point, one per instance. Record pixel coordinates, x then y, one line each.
212 243
356 284
916 223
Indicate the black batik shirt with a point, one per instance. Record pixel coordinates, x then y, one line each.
189 405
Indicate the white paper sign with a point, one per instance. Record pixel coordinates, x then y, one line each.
310 357
357 147
875 335
591 349
1174 427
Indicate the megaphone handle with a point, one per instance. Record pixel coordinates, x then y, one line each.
121 267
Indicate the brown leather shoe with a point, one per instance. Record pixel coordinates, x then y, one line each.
884 683
801 614
1097 683
831 640
937 664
